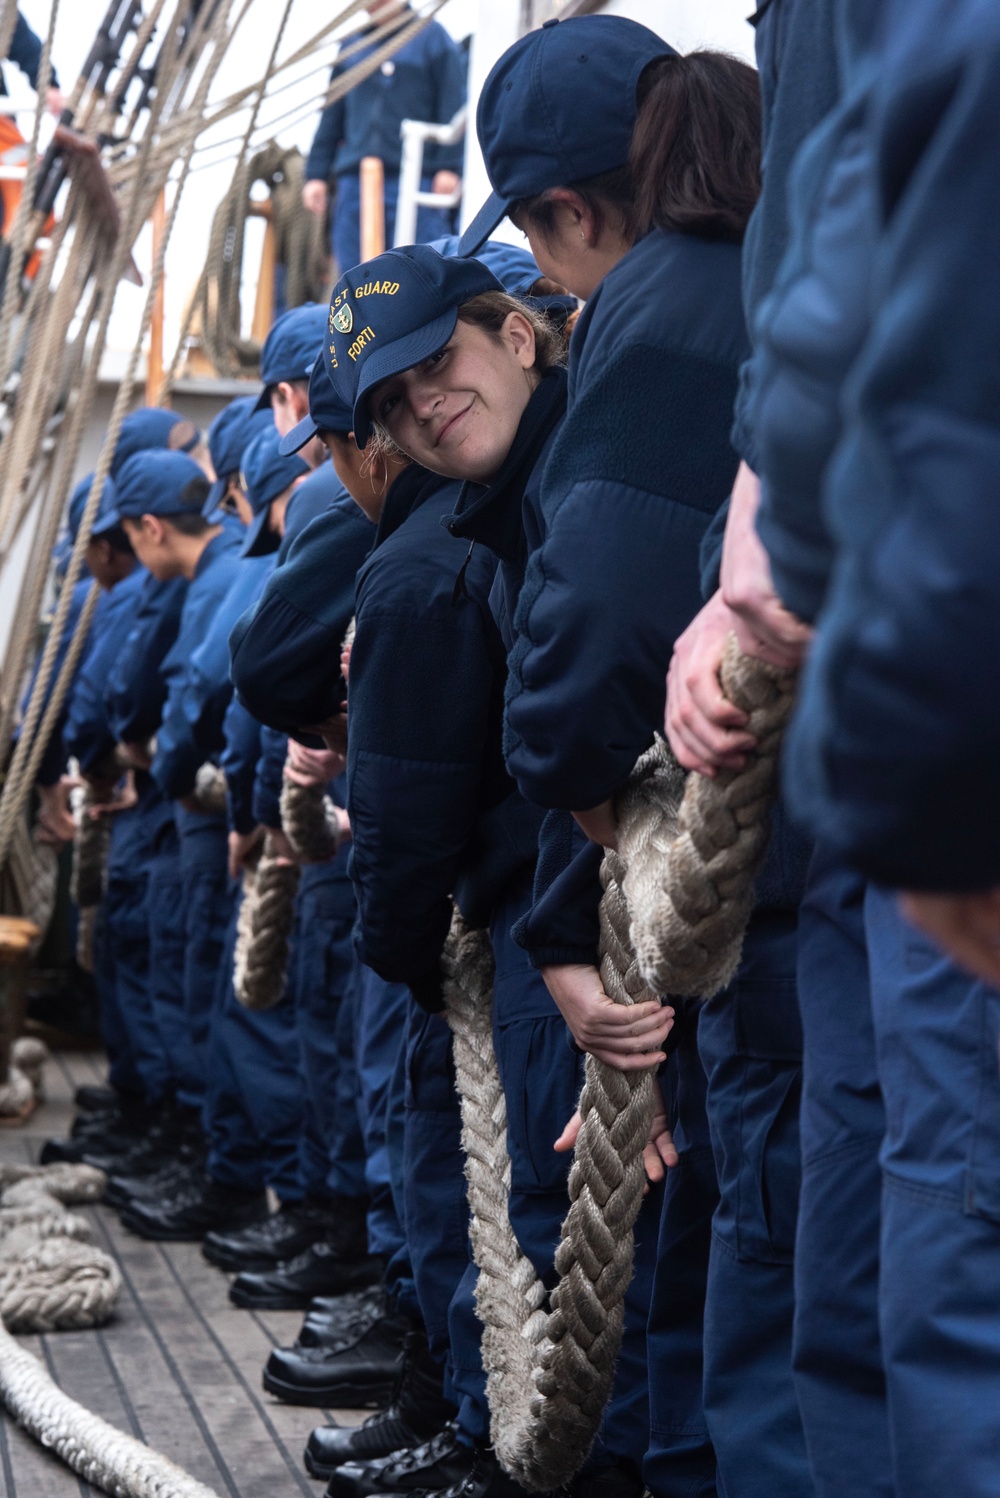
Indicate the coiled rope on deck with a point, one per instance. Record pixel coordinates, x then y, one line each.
550 1365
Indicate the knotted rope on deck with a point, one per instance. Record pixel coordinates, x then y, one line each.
309 821
550 1366
24 1085
51 1277
263 929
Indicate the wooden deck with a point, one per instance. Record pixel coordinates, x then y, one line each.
179 1366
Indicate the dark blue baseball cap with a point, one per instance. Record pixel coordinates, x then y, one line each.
149 428
512 265
392 312
558 107
78 503
153 483
267 472
291 347
228 437
327 412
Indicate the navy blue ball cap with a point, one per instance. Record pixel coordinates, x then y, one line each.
267 472
391 313
291 347
559 107
327 412
147 429
228 436
513 266
78 503
153 483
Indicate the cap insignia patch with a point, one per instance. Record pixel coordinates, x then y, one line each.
343 318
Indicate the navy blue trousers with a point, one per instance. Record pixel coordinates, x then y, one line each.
254 1110
936 1036
325 976
166 909
750 1042
138 1058
838 1363
432 223
380 1026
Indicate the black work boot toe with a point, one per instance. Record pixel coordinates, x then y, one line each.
194 1210
320 1270
417 1411
485 1478
265 1245
358 1376
433 1465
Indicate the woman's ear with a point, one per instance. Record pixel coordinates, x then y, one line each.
521 336
574 217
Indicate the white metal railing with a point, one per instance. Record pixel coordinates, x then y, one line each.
416 135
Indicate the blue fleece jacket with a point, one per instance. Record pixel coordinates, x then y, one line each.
424 80
893 753
638 469
135 692
53 762
285 651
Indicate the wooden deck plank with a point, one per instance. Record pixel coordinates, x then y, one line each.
178 1366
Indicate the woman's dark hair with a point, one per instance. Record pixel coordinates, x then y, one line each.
491 309
694 162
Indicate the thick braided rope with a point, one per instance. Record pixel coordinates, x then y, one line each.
263 929
309 821
691 868
24 1085
549 1374
103 1456
50 1276
210 789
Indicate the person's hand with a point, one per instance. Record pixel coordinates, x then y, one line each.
333 732
764 627
109 800
310 767
54 101
445 182
600 824
242 847
704 729
56 823
658 1154
343 826
625 1036
137 754
966 927
314 195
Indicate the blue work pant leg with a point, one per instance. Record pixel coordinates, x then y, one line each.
254 1110
325 977
123 1070
126 919
345 228
936 1032
680 1462
208 905
839 1373
379 1030
750 1041
166 970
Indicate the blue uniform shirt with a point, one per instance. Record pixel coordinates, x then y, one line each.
285 652
25 52
425 80
87 733
53 762
135 691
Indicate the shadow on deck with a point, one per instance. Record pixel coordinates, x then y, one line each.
178 1366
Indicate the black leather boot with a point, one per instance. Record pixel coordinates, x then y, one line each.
355 1377
93 1099
194 1211
124 1188
485 1479
265 1245
334 1321
320 1270
175 1135
417 1411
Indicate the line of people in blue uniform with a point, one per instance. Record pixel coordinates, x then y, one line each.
544 543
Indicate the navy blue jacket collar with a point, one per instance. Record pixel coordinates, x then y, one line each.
492 514
414 487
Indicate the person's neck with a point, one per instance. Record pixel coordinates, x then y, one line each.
190 550
609 251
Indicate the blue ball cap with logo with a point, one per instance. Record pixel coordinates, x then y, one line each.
559 107
78 503
291 347
327 412
228 436
153 483
146 429
267 472
393 312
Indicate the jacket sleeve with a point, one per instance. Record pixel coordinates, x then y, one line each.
894 752
266 803
136 691
449 67
26 53
87 734
53 761
329 134
563 924
419 719
239 761
596 623
178 754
